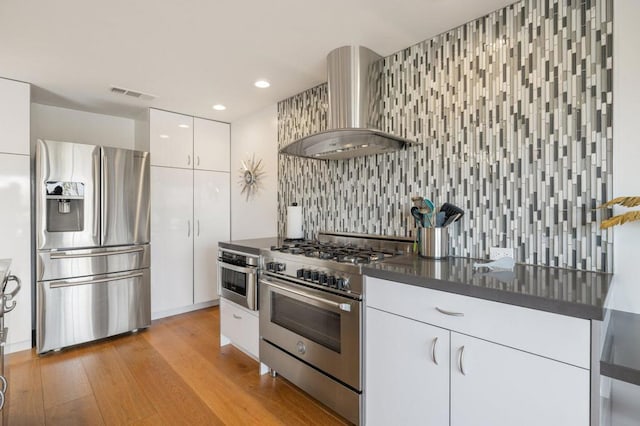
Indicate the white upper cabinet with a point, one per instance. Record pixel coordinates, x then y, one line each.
211 140
171 139
15 110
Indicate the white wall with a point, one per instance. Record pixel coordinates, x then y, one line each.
69 125
625 293
255 134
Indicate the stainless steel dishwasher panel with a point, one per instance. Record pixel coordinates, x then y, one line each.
83 309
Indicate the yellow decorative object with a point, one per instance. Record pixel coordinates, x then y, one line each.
623 201
621 218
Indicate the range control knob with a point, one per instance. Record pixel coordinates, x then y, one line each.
322 278
315 275
306 274
300 273
343 284
279 267
269 266
331 281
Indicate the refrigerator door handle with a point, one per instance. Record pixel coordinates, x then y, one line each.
103 197
97 186
65 283
66 255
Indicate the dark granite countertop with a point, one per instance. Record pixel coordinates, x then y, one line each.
251 246
569 292
621 353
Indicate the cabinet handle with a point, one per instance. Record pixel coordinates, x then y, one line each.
433 351
188 160
198 160
237 316
461 361
4 384
198 222
188 228
451 313
2 398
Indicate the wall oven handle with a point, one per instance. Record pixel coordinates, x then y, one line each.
67 255
241 269
342 306
57 284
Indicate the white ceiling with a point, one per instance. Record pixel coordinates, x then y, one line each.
192 54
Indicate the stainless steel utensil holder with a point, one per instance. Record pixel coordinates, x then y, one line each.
434 243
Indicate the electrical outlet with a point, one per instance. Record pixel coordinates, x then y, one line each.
500 252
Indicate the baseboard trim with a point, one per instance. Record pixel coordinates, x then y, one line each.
184 309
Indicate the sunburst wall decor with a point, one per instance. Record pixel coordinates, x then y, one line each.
251 175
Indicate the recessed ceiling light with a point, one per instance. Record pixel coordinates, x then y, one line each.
183 126
164 136
219 107
262 84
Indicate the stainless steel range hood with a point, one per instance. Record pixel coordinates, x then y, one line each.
353 74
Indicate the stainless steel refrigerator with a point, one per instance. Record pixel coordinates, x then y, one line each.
92 243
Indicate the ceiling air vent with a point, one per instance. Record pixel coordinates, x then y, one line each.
132 93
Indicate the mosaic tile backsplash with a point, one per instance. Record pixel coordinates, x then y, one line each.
512 115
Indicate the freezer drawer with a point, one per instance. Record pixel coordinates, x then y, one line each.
79 310
56 265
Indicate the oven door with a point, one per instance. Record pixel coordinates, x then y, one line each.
239 284
320 328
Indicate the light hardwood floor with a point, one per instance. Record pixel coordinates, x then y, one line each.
173 373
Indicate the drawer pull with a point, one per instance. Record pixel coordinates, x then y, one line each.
433 351
461 361
237 316
451 313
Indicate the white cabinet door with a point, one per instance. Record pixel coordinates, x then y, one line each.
15 242
211 145
171 139
171 238
406 371
212 224
15 113
504 386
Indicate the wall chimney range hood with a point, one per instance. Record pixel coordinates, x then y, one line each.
354 108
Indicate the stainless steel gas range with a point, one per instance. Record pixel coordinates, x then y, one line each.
311 311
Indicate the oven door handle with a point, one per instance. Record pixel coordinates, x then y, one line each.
241 269
342 306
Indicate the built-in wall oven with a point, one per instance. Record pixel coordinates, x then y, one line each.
238 277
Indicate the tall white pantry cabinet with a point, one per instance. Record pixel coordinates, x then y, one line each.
190 209
15 204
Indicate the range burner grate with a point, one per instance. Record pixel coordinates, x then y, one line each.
343 253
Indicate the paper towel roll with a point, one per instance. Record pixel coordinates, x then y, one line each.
294 222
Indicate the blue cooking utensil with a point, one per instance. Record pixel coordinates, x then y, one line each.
427 211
